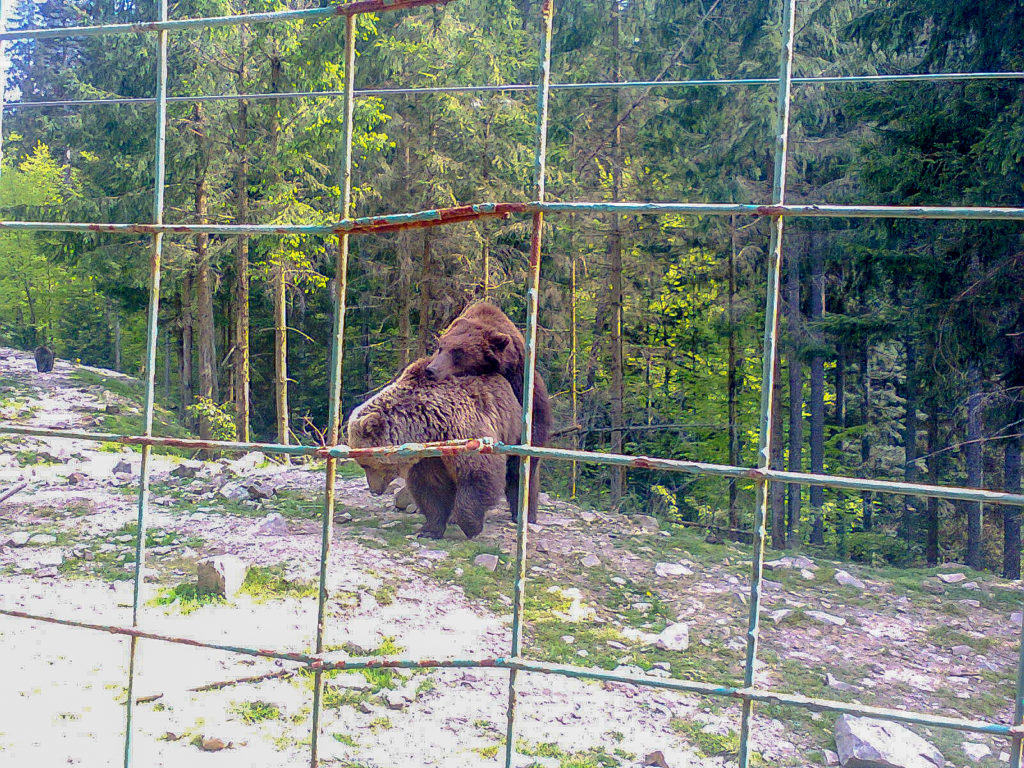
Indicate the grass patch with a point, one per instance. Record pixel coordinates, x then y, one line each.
487 753
947 637
268 582
256 711
381 723
187 598
344 738
709 744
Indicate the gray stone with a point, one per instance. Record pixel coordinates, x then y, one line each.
221 575
963 651
259 490
404 499
43 539
187 469
670 570
490 562
932 586
234 491
122 468
51 557
1017 617
675 637
975 751
952 578
77 478
646 523
588 517
19 538
806 574
590 561
840 685
827 618
831 758
272 525
246 464
432 554
396 699
848 580
865 743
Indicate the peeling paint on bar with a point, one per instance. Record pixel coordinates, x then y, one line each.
178 25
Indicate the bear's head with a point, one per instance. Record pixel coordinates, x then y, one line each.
467 350
366 432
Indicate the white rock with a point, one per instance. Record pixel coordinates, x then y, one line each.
19 538
952 578
590 561
865 743
827 618
396 699
588 517
646 523
670 570
43 539
490 562
806 575
272 525
247 463
840 685
962 651
568 639
221 575
848 580
1017 617
831 758
233 491
51 557
976 751
675 637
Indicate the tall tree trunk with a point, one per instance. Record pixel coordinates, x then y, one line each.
975 469
817 396
204 278
167 365
867 498
367 354
281 352
1011 515
403 260
618 479
574 363
115 322
796 398
731 382
910 439
777 492
932 461
426 297
185 332
241 329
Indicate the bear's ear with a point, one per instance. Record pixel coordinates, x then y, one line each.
498 340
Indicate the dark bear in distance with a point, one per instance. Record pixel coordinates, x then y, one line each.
417 408
44 359
483 341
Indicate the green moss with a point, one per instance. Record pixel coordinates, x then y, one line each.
947 637
186 597
344 738
256 711
268 582
709 744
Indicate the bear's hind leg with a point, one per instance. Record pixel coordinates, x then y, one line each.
512 486
434 493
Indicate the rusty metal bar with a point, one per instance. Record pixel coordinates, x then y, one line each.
335 661
769 357
153 316
337 371
521 87
179 25
440 216
530 365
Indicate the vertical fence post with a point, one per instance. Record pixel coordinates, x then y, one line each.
769 352
151 338
532 295
3 74
337 360
1017 744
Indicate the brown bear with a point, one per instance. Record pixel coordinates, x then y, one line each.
483 341
44 359
417 408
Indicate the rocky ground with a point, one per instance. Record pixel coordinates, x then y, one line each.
605 591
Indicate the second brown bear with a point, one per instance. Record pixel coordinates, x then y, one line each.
483 341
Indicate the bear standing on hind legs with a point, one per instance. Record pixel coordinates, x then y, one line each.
482 341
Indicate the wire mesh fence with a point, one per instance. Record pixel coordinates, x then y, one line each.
776 210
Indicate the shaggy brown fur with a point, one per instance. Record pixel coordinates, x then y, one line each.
482 341
417 408
44 359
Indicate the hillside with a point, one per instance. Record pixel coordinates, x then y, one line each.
602 586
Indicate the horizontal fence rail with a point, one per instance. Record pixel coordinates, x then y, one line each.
435 217
332 452
335 662
525 87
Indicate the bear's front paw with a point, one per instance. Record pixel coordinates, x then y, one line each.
426 533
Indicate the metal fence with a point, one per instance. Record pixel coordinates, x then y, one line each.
776 210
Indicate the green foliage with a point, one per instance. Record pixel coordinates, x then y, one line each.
221 421
253 712
268 582
876 548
